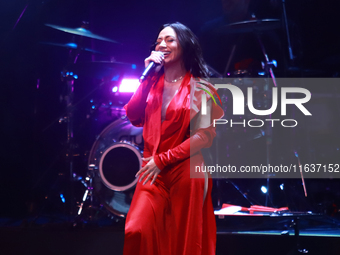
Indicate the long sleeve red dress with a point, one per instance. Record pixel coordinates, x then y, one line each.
174 216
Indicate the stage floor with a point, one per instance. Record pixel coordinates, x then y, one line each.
60 235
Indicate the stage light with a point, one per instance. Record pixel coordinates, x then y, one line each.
62 198
72 45
133 66
282 186
264 189
114 89
93 107
129 85
274 63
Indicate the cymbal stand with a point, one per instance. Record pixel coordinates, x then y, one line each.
88 195
69 77
268 67
290 50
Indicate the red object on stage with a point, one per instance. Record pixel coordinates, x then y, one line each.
260 208
171 217
253 209
243 209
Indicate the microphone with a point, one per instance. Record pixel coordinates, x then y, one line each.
148 70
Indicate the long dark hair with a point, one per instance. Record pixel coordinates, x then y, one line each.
192 52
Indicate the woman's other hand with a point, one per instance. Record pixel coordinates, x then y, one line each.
150 170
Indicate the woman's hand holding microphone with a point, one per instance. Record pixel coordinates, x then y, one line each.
156 57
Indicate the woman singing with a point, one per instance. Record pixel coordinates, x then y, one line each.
171 213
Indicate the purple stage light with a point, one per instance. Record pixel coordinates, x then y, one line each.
128 85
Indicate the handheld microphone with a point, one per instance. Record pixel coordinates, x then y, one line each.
148 70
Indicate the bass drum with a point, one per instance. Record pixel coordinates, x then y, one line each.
115 158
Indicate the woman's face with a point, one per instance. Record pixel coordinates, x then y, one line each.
167 42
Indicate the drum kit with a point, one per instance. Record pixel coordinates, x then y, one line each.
116 153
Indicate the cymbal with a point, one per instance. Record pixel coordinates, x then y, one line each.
71 46
82 32
256 25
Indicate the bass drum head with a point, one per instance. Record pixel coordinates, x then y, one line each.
115 158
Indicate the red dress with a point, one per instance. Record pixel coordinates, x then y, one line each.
173 216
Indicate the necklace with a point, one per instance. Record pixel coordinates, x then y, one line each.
175 80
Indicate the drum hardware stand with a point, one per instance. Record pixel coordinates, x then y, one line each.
88 192
291 56
88 195
69 77
88 182
268 67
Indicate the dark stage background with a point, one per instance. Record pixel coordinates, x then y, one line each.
32 140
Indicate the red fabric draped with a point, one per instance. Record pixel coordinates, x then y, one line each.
171 217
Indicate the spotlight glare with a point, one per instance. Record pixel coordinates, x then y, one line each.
264 189
114 89
282 186
129 85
